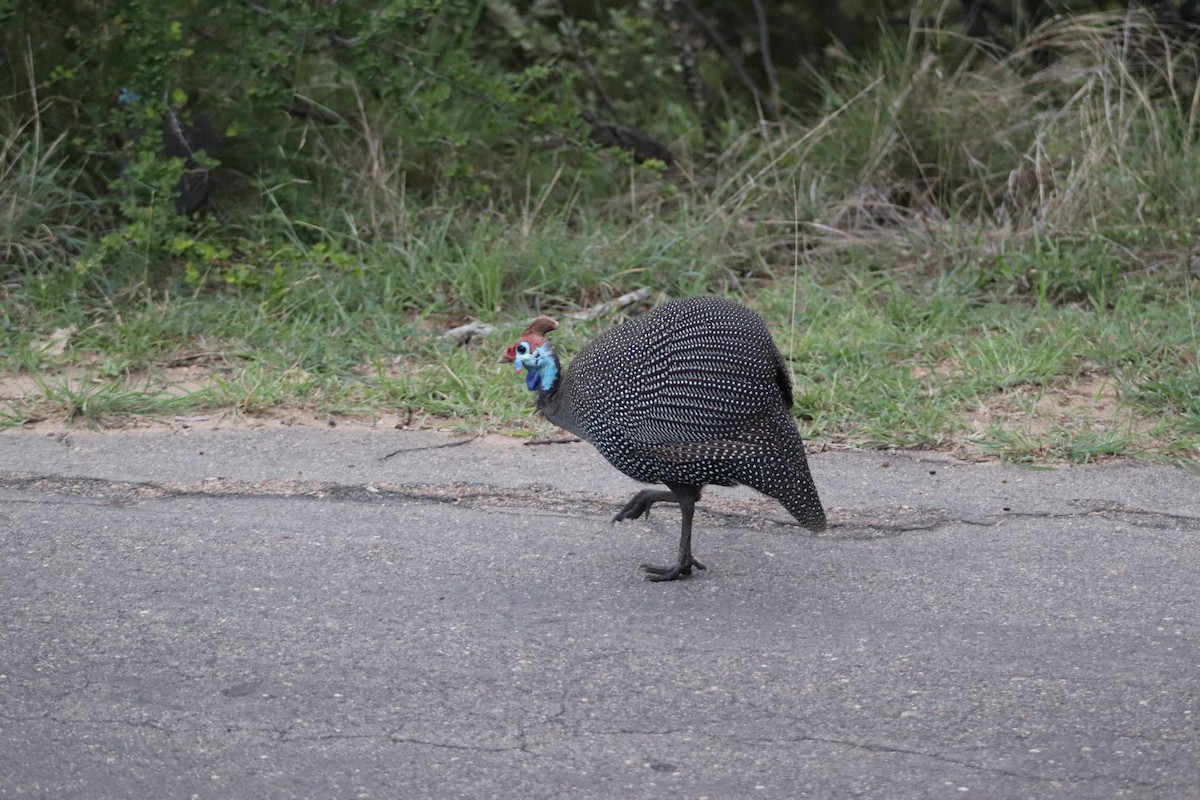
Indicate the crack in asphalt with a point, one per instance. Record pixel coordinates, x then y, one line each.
883 748
866 523
876 747
478 748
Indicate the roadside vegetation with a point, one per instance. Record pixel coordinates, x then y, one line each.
980 249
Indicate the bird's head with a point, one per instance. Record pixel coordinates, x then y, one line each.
127 96
535 355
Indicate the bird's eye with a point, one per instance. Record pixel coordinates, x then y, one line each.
522 348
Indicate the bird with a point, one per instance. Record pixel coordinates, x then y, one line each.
185 141
690 394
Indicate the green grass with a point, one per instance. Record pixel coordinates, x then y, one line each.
878 363
95 401
982 259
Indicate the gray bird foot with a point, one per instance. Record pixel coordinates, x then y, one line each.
629 511
674 572
639 505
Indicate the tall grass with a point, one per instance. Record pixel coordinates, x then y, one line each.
42 218
1085 132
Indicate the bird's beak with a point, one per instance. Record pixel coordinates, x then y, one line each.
510 355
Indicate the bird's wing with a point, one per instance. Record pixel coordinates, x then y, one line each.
759 438
694 387
721 400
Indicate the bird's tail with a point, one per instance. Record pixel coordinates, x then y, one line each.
803 502
789 481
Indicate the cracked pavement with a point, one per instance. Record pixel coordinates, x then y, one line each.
380 614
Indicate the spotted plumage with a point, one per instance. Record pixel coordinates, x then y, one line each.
690 394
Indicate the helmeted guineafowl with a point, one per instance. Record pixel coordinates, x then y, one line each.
692 393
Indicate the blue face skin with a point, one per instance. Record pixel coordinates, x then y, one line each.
539 366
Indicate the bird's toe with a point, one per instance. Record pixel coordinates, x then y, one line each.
628 513
673 572
637 507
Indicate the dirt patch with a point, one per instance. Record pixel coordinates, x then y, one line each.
945 368
1093 398
1091 403
233 419
14 388
42 404
185 379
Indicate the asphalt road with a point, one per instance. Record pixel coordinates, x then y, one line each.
292 613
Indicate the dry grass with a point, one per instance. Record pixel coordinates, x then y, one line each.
1084 131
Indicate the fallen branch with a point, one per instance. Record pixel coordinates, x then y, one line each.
612 305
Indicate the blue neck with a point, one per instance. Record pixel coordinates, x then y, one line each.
542 370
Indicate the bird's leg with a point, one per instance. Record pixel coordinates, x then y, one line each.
639 504
686 496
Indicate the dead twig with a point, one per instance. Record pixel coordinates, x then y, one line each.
459 443
191 358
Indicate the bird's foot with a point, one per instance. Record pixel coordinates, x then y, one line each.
639 505
674 572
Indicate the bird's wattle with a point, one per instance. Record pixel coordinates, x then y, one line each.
531 379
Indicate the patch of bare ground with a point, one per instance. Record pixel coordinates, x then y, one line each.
171 381
1091 400
943 369
23 396
15 388
233 419
1089 405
